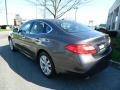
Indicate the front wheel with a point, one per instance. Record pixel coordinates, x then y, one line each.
46 65
11 45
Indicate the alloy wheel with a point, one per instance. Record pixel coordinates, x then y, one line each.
45 65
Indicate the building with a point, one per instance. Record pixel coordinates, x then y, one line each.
17 20
113 21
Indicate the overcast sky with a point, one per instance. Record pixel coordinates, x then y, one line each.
97 11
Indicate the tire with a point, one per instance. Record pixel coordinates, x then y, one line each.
12 48
46 65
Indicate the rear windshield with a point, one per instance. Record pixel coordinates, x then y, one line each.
72 27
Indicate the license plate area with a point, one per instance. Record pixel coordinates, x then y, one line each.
101 46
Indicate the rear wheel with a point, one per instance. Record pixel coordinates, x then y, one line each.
46 65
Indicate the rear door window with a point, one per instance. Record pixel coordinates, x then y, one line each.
40 27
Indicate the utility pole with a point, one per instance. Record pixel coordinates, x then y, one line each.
36 8
6 12
76 8
45 9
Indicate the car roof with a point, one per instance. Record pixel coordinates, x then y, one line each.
53 21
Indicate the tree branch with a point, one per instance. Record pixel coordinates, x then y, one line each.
69 1
49 11
65 11
59 7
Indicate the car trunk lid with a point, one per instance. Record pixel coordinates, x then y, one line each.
99 40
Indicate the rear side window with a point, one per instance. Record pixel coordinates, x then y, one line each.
72 27
47 28
37 28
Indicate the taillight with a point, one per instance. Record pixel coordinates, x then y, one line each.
81 48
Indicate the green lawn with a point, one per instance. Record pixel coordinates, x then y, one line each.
116 49
3 30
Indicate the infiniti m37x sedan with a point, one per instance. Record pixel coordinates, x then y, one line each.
61 46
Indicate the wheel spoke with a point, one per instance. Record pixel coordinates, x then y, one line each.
48 62
49 66
44 69
44 58
42 61
48 70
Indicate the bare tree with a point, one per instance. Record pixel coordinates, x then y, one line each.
58 8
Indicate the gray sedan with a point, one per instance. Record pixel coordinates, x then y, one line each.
62 46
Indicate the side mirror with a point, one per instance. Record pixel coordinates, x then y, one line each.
19 31
15 30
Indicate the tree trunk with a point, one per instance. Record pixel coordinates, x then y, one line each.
55 17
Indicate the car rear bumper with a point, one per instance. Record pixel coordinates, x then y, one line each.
82 65
97 66
100 65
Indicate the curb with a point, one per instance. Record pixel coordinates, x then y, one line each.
115 64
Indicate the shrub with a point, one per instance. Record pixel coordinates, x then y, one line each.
3 26
111 33
102 30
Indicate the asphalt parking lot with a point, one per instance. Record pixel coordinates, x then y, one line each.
17 72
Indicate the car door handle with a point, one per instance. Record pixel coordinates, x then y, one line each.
23 37
46 40
35 39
